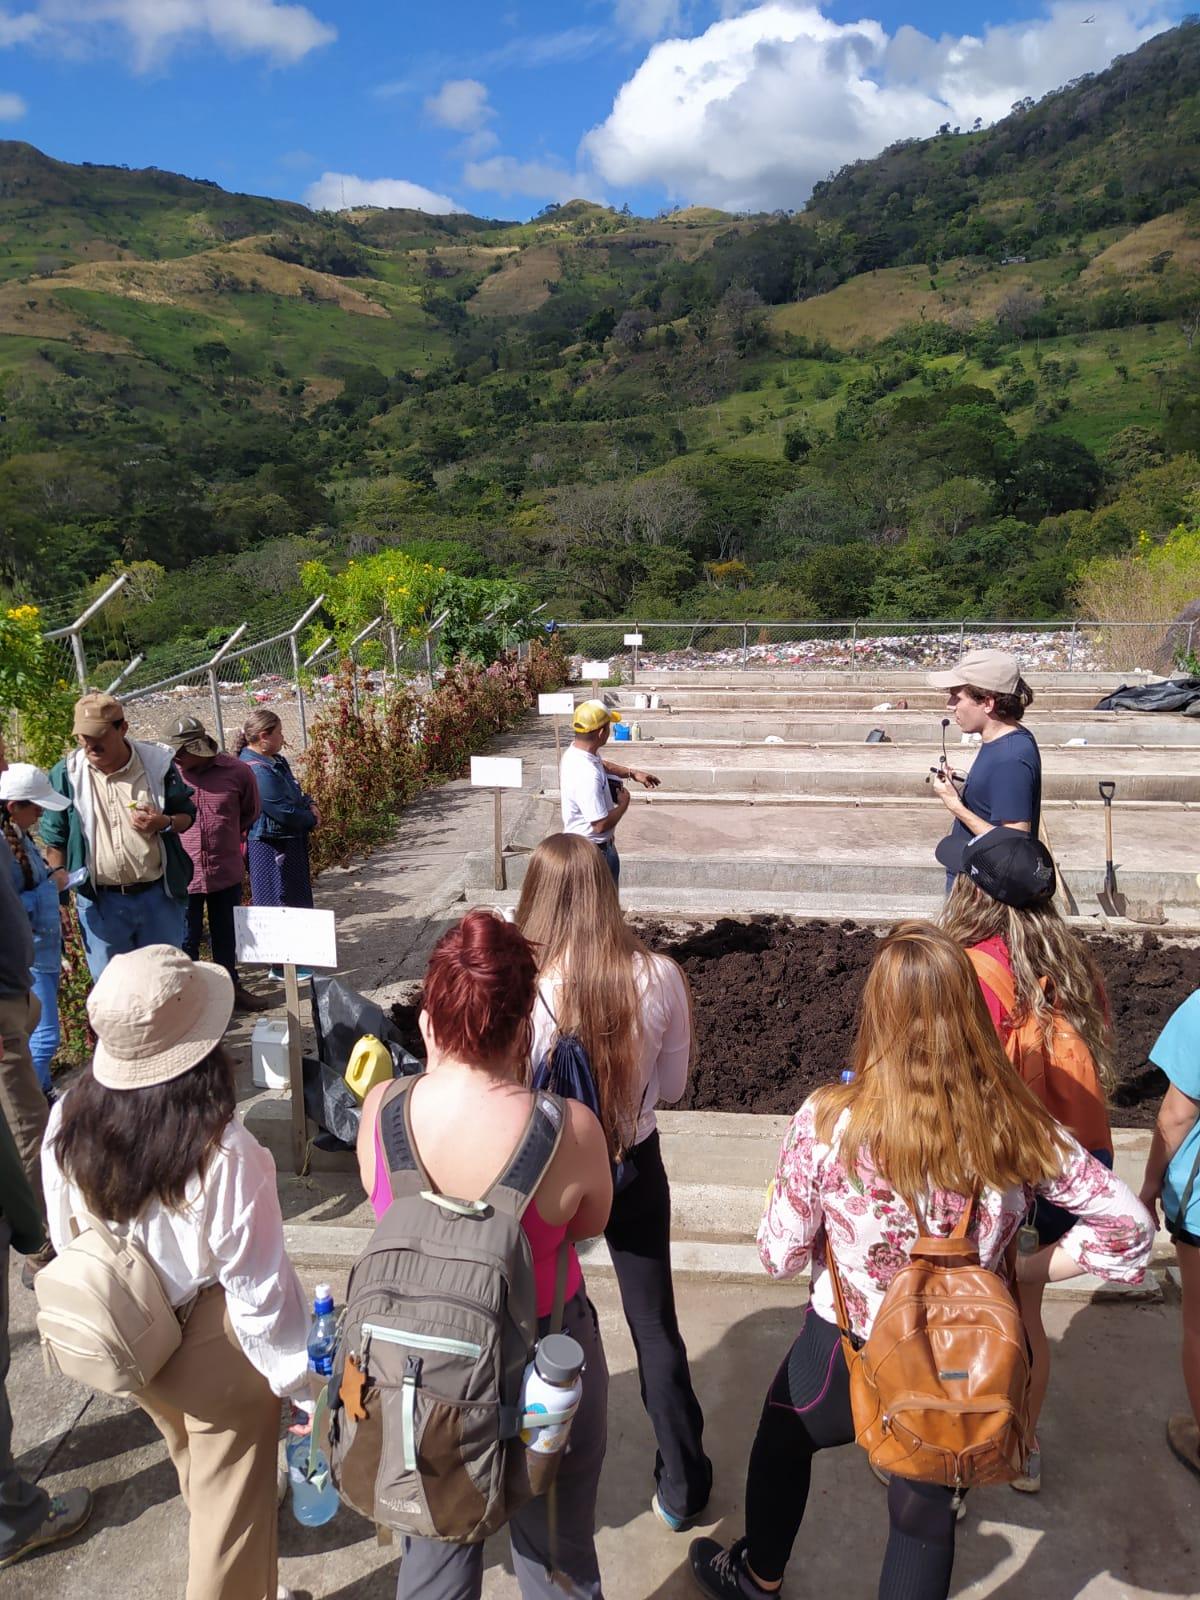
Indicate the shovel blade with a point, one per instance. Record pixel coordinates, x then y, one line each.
1115 904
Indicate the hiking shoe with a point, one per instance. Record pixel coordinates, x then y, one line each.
67 1514
670 1520
247 1000
1183 1436
34 1264
722 1573
1030 1482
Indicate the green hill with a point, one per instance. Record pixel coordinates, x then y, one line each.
970 365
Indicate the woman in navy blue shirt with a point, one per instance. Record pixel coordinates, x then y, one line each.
277 848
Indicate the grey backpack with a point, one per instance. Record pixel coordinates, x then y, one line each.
439 1326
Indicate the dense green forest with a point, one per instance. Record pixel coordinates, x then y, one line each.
966 369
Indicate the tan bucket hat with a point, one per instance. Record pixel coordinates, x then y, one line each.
994 670
156 1013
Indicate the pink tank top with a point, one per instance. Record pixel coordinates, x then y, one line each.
544 1237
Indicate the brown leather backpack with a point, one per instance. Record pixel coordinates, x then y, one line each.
940 1388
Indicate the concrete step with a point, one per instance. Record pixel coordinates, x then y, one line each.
1100 728
732 674
632 701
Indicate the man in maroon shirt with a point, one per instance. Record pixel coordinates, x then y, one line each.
226 801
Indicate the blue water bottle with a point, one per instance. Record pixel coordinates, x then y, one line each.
322 1336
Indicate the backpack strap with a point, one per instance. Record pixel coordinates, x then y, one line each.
529 1162
406 1170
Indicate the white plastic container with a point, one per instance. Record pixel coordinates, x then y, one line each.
641 702
269 1054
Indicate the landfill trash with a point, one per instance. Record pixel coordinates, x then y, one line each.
884 705
1072 744
1169 694
877 736
772 738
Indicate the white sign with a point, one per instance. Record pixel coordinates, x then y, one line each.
594 669
634 639
496 772
283 935
556 705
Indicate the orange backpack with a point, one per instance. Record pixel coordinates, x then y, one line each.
1065 1078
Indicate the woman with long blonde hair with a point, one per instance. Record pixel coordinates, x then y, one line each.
631 1010
1041 986
933 1122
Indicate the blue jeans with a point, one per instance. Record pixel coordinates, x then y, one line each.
113 923
43 1042
609 851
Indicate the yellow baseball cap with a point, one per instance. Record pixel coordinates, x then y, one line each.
592 714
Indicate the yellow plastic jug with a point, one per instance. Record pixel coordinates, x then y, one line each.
370 1063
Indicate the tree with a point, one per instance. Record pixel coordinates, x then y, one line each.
1017 310
796 444
1050 473
949 507
630 329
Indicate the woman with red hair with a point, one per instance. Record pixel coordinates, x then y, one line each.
469 1112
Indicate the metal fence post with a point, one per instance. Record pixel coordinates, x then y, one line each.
213 689
1071 647
745 645
429 633
854 641
75 631
125 672
962 635
1191 631
294 641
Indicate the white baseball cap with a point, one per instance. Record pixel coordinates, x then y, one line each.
23 781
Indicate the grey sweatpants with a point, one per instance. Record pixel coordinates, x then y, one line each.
430 1570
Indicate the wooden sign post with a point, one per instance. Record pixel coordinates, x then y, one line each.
556 706
633 640
498 773
288 937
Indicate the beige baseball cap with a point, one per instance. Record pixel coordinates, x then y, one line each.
95 714
994 670
156 1013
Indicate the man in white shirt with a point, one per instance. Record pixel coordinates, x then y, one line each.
591 806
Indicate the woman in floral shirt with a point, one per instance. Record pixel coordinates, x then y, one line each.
934 1114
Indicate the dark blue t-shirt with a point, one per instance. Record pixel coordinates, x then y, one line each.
1005 782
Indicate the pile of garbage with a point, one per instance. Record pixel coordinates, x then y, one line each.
1046 650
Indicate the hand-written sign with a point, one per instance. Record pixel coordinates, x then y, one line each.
634 639
556 705
496 772
594 670
285 935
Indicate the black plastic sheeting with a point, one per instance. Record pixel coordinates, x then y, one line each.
341 1016
1172 694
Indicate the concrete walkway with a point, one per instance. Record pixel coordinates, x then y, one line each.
1115 1521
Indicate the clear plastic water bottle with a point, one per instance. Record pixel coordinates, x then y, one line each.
322 1336
314 1499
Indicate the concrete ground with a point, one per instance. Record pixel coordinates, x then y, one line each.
1117 1518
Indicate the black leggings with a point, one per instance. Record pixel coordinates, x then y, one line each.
808 1409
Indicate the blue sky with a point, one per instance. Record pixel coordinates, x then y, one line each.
500 108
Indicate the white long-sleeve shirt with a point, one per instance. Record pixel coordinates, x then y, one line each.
228 1231
665 1035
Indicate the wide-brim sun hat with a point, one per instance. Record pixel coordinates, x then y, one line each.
23 781
156 1014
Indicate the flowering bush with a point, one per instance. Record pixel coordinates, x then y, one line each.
31 688
364 765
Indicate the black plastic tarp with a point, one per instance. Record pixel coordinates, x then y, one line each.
341 1016
1172 694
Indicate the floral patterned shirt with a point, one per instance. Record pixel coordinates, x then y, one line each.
813 1199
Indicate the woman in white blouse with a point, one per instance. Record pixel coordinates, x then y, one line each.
148 1140
631 1011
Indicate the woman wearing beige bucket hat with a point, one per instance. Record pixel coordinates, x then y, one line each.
147 1140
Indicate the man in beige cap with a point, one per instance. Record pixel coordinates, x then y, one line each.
988 696
591 805
128 806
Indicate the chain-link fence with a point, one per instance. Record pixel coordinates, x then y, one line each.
1082 646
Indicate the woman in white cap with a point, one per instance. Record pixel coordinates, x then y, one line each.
25 793
147 1139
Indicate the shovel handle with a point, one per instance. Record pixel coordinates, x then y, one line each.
1107 790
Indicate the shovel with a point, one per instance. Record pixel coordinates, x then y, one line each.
1112 902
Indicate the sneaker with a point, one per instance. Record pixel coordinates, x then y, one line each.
247 1000
1031 1480
67 1514
670 1520
1183 1436
722 1573
282 1593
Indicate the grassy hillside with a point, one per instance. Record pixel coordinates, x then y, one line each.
968 368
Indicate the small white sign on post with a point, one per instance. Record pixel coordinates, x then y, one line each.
634 639
497 773
285 935
288 937
556 705
593 671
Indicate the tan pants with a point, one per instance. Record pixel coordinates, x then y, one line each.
22 1103
221 1424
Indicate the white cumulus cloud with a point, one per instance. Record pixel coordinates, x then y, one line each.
541 180
12 107
333 190
648 19
460 104
282 32
750 113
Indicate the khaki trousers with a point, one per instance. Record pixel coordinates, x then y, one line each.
221 1424
22 1103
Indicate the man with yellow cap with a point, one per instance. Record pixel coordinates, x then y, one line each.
592 805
